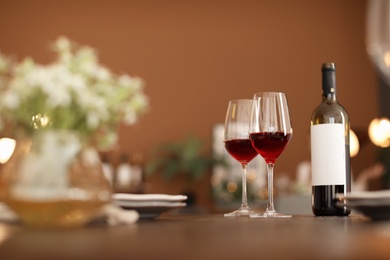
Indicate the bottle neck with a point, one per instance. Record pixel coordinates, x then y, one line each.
329 97
329 85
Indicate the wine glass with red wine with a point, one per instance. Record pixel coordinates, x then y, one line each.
238 145
270 132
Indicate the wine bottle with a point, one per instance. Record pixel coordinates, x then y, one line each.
330 158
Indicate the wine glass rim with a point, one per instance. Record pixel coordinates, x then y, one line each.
241 100
269 92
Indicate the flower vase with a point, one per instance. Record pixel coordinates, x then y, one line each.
54 179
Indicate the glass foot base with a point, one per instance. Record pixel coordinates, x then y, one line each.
241 212
270 214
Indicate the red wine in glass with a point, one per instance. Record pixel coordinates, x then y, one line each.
270 132
238 145
270 145
241 150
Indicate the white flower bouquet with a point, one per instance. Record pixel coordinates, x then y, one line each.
75 92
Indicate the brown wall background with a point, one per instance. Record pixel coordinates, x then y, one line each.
196 55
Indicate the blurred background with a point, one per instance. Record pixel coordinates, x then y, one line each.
197 55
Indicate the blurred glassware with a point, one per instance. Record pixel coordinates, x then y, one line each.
54 179
378 36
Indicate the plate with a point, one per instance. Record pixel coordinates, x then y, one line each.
148 197
149 206
373 204
143 204
149 209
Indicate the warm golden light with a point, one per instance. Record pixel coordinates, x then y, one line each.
354 145
386 58
4 234
251 175
215 180
7 146
40 120
379 132
231 187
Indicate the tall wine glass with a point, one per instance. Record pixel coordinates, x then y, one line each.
238 145
270 131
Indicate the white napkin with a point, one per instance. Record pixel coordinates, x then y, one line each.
117 216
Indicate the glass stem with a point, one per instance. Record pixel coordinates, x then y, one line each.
244 202
270 174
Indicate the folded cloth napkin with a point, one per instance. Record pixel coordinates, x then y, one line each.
111 214
116 216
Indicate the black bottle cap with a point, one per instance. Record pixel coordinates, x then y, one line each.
329 66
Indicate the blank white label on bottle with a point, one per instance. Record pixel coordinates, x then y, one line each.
328 163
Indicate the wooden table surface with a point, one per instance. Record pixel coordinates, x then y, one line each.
205 237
